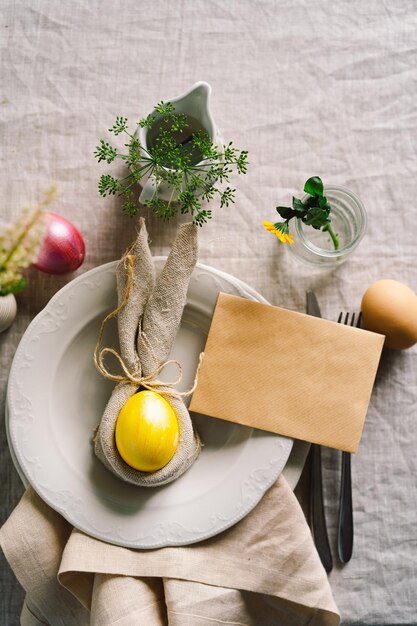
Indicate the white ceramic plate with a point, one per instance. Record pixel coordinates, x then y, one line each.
55 399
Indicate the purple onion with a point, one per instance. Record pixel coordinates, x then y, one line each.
63 247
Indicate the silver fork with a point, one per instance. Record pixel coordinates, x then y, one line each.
345 528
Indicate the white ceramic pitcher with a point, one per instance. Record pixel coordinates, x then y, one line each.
195 103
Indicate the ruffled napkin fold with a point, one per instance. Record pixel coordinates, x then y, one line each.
264 571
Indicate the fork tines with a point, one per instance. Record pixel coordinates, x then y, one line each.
352 320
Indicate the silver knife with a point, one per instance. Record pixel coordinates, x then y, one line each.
317 517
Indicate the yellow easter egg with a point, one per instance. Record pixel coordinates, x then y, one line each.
147 431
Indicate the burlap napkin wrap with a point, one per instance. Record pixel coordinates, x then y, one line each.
148 321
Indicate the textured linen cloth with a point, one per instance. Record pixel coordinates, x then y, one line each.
323 88
263 571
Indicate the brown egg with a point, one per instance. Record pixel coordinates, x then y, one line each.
390 308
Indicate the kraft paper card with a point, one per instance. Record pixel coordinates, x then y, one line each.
287 372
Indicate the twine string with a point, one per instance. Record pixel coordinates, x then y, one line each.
150 381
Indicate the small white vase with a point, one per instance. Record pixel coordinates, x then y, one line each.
8 310
195 105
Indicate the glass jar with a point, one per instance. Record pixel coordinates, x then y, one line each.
348 220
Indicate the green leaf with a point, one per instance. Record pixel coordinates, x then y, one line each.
286 212
208 193
230 153
119 126
147 122
165 108
160 208
298 206
178 122
314 211
326 207
242 162
107 185
316 217
105 152
227 197
188 202
130 208
314 186
202 143
311 201
202 217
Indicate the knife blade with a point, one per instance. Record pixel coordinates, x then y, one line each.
317 515
313 307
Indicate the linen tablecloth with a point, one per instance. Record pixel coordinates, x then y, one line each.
318 88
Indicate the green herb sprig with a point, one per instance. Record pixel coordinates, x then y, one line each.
171 162
314 211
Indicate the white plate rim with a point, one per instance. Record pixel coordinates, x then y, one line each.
246 290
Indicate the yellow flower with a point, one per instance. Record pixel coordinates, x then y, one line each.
282 236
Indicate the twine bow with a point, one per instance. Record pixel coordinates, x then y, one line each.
150 381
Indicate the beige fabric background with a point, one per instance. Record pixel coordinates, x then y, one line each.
308 88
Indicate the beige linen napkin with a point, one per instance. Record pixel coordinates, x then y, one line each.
264 571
